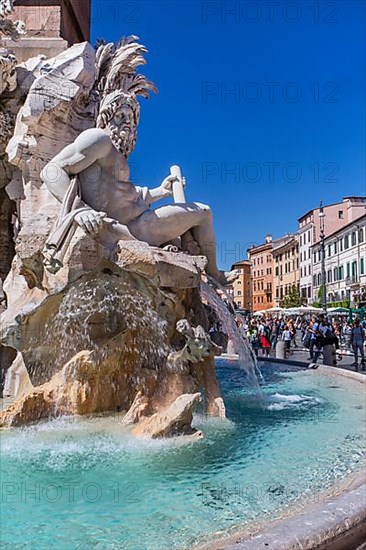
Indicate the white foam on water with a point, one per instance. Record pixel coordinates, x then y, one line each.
57 442
279 401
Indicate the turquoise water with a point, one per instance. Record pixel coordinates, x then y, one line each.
71 484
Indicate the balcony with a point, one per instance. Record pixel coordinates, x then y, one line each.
353 281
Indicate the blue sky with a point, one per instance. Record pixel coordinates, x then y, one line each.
261 104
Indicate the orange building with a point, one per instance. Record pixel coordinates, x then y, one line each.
261 260
242 291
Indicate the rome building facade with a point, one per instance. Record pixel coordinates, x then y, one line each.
345 265
241 287
286 268
261 261
336 216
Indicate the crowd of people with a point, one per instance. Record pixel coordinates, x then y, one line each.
313 334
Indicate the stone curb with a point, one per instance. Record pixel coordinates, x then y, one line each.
322 527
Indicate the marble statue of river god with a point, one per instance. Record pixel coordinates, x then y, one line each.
91 177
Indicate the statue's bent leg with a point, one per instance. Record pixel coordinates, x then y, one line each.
169 222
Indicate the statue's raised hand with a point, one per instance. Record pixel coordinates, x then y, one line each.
167 186
90 221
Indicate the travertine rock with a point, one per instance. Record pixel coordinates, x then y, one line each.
58 107
174 420
17 382
137 410
166 269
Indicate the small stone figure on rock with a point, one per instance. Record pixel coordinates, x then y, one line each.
198 346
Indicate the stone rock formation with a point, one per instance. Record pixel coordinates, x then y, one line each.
138 409
93 339
176 419
17 382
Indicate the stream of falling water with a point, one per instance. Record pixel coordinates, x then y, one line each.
246 358
95 312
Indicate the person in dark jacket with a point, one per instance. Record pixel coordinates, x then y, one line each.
357 340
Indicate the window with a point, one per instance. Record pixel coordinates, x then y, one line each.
277 271
354 269
239 292
239 303
346 242
360 235
362 266
335 247
238 282
335 274
354 238
329 276
340 272
329 250
348 270
340 214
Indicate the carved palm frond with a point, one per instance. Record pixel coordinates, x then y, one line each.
116 68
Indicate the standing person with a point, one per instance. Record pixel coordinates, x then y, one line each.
266 339
253 337
348 335
292 329
274 334
286 337
313 329
357 340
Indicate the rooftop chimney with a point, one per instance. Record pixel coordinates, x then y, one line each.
269 239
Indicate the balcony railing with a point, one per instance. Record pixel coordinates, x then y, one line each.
352 280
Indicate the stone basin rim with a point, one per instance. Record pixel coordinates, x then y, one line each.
336 525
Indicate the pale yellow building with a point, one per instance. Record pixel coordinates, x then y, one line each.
286 268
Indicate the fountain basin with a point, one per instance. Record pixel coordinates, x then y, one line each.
77 483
